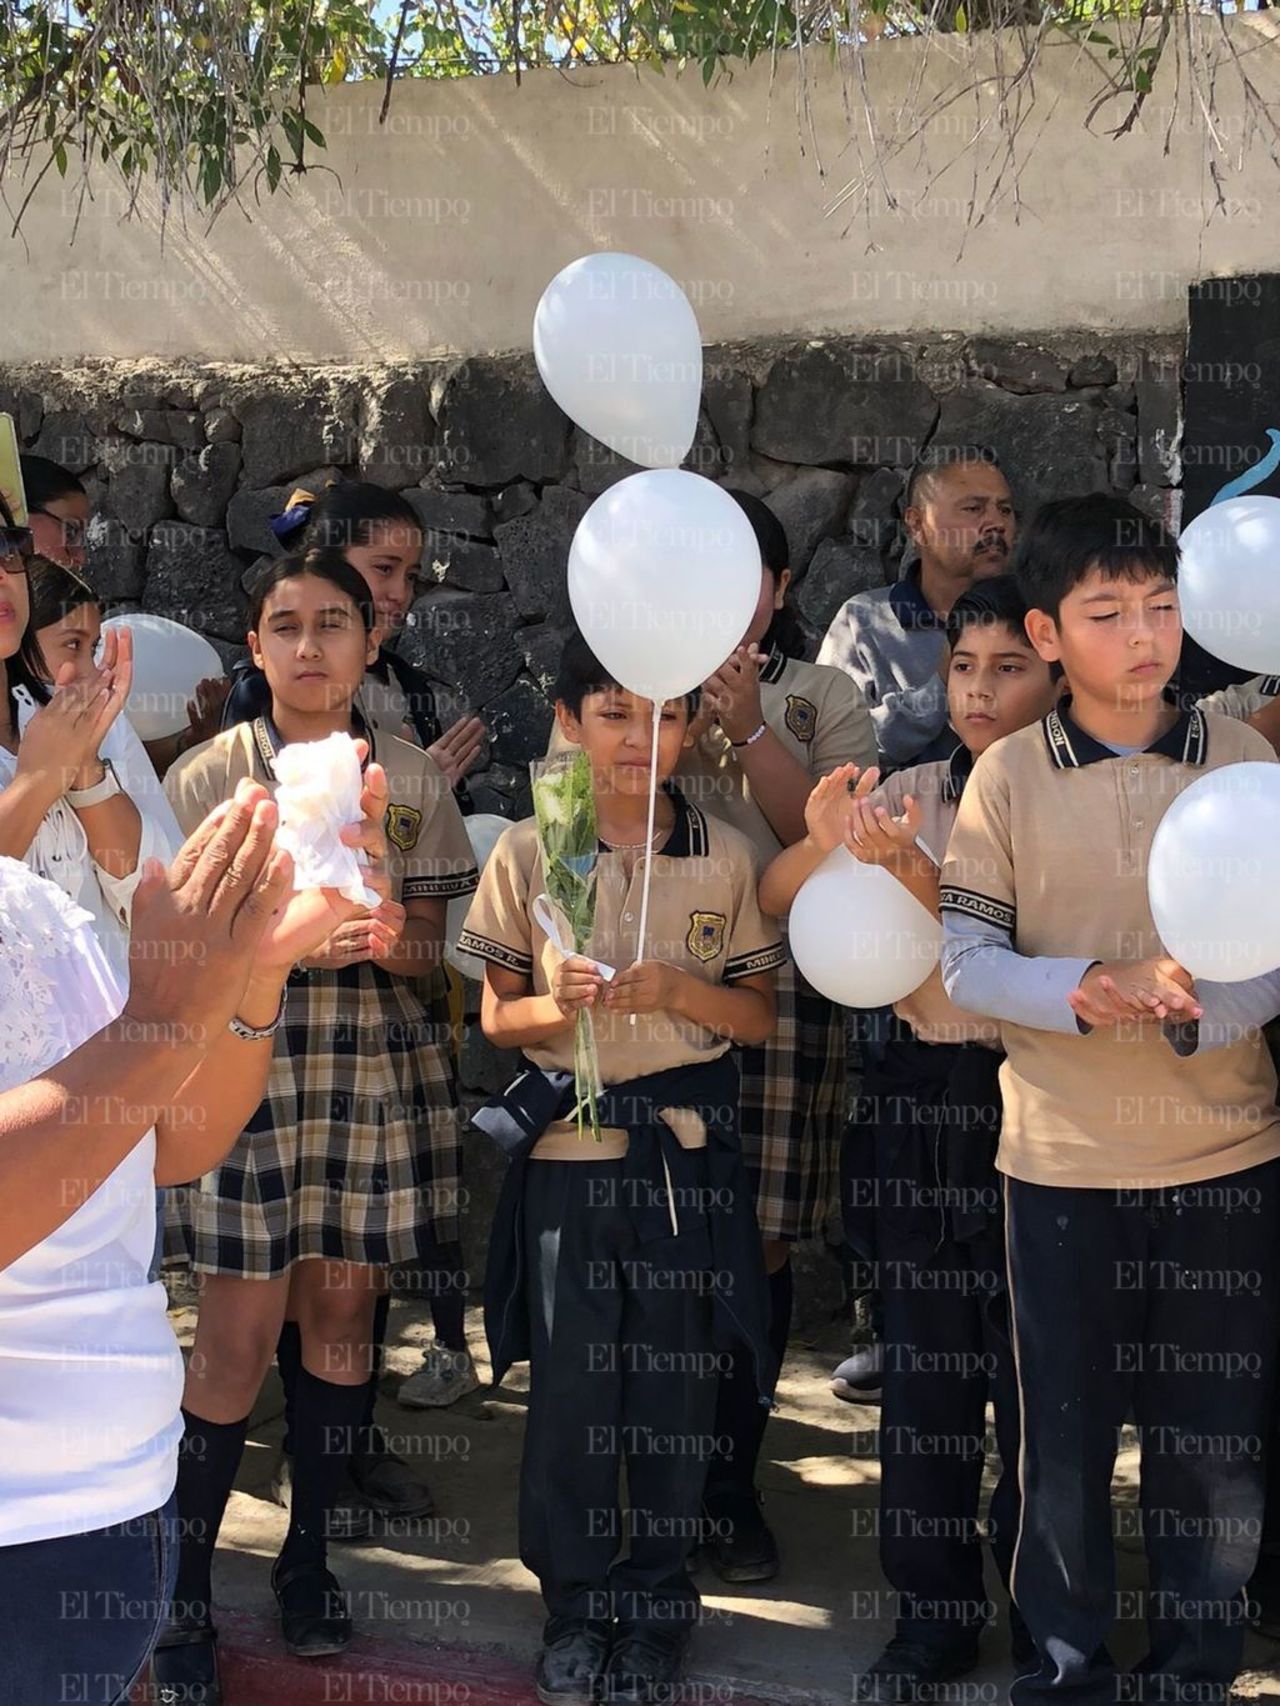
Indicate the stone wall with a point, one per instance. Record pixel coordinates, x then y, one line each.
186 465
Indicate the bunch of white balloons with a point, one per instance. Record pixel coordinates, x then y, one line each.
664 577
1214 873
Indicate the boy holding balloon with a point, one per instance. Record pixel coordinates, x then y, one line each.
1142 1185
936 1117
623 1267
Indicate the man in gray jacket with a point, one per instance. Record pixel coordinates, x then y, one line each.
959 516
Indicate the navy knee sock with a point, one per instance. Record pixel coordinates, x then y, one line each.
208 1458
325 1423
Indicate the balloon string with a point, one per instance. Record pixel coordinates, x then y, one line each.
648 854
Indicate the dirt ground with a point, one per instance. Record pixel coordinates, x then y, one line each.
456 1577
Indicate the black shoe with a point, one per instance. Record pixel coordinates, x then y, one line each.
314 1618
909 1671
738 1543
570 1663
388 1483
644 1667
184 1665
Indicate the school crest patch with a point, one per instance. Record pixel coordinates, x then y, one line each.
802 717
404 825
706 935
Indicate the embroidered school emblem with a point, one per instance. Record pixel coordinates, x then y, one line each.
706 935
404 825
802 717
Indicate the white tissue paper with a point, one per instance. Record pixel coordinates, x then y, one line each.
318 796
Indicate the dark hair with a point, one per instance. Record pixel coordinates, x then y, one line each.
935 461
44 481
581 672
329 565
55 592
342 515
1071 536
994 602
784 633
26 667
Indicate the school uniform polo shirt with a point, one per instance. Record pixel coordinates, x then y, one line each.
1046 874
819 716
703 918
936 789
429 856
1243 700
385 705
890 642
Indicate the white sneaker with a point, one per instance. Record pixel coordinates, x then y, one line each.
445 1376
857 1379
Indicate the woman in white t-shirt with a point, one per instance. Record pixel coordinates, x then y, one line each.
101 1099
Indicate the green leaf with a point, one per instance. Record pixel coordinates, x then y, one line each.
273 168
60 159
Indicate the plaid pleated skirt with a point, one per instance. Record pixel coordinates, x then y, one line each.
354 1154
794 1111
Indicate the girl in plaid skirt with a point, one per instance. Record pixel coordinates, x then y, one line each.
351 1162
774 725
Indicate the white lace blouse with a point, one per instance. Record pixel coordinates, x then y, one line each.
90 1372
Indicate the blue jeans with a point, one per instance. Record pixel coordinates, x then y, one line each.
79 1615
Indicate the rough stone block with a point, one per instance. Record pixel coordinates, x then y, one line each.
811 506
193 578
204 483
1048 446
396 435
838 571
835 403
498 423
288 431
520 723
466 640
1018 367
455 513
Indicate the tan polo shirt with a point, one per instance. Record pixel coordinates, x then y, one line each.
1243 699
385 706
703 918
429 856
817 713
936 788
1051 842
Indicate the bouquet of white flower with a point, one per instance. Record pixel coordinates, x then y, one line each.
564 806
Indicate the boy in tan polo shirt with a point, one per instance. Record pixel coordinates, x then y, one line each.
1142 1187
624 1269
934 1111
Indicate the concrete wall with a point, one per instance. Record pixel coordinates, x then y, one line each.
436 232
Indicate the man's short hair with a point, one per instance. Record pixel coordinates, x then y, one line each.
934 462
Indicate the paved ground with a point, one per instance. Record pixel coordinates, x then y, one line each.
457 1580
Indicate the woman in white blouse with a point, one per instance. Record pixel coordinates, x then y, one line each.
64 809
101 1099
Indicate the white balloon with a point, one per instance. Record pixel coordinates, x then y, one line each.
1229 582
168 662
858 936
1213 878
483 831
664 577
617 346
